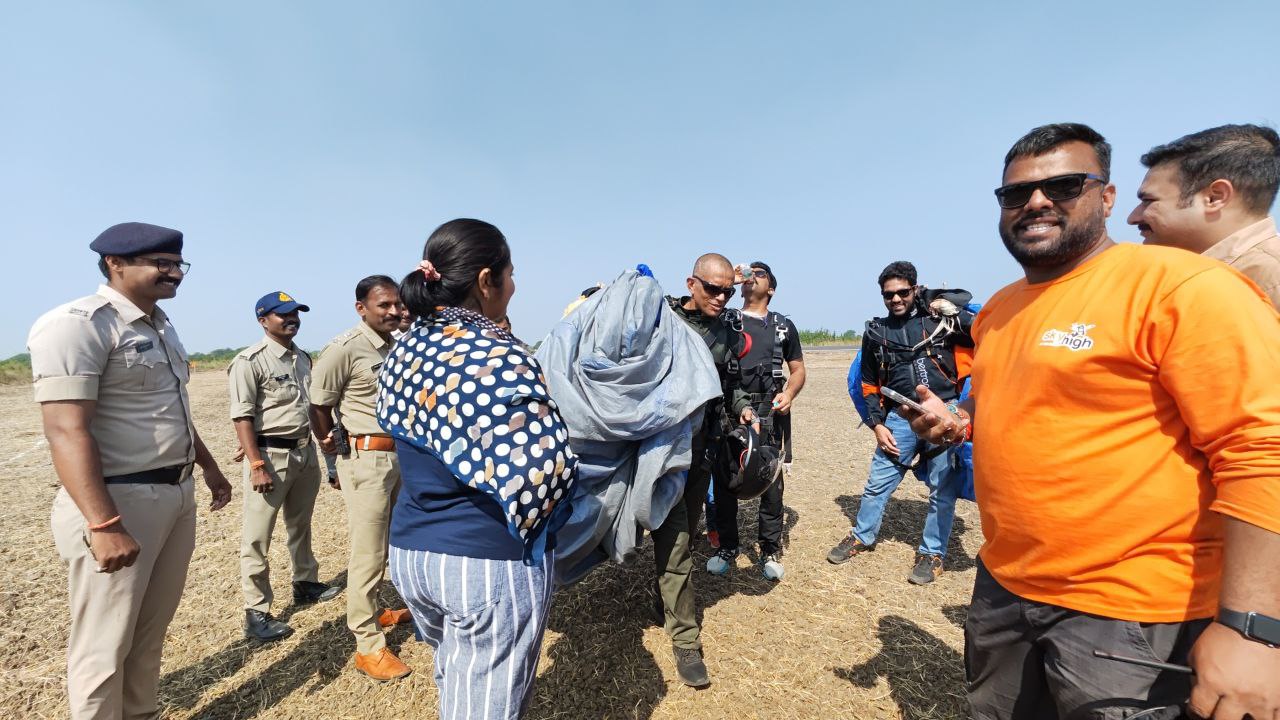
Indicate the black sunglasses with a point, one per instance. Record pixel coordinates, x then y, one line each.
714 290
1057 189
904 293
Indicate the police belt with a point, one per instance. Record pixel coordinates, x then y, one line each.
159 476
281 443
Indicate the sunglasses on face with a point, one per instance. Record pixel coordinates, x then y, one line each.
903 294
1057 189
714 290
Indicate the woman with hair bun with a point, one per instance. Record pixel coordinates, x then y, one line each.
487 475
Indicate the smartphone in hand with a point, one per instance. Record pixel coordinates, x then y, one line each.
901 399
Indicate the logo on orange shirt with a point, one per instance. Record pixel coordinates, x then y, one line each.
1077 339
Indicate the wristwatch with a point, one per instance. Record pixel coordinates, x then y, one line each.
1254 626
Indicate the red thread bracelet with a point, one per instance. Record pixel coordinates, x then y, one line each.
104 524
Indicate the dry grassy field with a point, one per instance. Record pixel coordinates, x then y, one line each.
850 641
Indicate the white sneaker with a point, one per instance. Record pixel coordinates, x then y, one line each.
771 568
721 562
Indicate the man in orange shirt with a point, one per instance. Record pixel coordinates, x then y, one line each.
1209 192
1126 426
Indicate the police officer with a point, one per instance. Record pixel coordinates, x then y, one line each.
111 379
268 390
710 286
346 378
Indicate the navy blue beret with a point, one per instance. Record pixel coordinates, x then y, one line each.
135 238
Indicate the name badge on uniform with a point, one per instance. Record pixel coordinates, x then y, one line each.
281 378
144 346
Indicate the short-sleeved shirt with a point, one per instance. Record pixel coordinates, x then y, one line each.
1120 411
346 377
757 365
103 348
268 382
1254 251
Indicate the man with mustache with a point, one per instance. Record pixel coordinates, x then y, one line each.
1210 192
111 379
1126 428
268 390
346 379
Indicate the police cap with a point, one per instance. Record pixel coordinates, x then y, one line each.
135 238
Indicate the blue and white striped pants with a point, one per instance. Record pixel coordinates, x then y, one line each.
485 620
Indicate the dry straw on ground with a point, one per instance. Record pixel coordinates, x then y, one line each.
850 641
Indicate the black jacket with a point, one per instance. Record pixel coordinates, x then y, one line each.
903 352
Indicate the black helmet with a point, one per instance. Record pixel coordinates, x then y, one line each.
757 466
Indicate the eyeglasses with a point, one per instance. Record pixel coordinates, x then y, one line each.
903 294
713 290
759 272
1057 189
165 265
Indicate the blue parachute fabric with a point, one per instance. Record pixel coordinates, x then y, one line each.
855 388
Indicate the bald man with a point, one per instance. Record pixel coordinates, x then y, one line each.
710 285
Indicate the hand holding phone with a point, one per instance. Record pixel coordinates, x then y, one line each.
901 399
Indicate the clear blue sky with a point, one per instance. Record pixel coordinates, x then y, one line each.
301 146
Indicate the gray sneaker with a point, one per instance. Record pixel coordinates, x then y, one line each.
846 549
690 668
926 570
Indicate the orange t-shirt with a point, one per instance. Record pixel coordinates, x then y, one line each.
1118 410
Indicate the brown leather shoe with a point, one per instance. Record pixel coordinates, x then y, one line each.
391 617
382 665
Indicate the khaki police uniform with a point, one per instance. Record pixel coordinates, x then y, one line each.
346 377
268 383
103 348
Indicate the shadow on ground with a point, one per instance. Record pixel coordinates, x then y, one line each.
603 618
904 522
322 655
917 667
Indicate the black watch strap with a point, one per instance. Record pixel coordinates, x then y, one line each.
1255 626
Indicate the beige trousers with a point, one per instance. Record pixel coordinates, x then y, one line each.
295 476
370 481
118 621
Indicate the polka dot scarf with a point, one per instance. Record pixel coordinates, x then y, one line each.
467 391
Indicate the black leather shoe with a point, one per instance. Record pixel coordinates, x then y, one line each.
261 626
306 592
690 668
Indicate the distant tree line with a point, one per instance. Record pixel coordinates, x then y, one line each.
824 336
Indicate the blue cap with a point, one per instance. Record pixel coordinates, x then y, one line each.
135 238
278 302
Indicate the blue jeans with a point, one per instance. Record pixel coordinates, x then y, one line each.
937 472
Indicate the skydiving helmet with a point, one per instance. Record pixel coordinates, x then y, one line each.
756 465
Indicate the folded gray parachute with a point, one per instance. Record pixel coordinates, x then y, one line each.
630 378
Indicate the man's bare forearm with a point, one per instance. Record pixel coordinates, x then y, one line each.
76 459
795 383
204 458
321 420
248 439
1250 569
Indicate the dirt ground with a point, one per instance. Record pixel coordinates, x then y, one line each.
849 641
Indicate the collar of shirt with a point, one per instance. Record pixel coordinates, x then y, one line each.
276 348
372 336
1229 249
127 310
